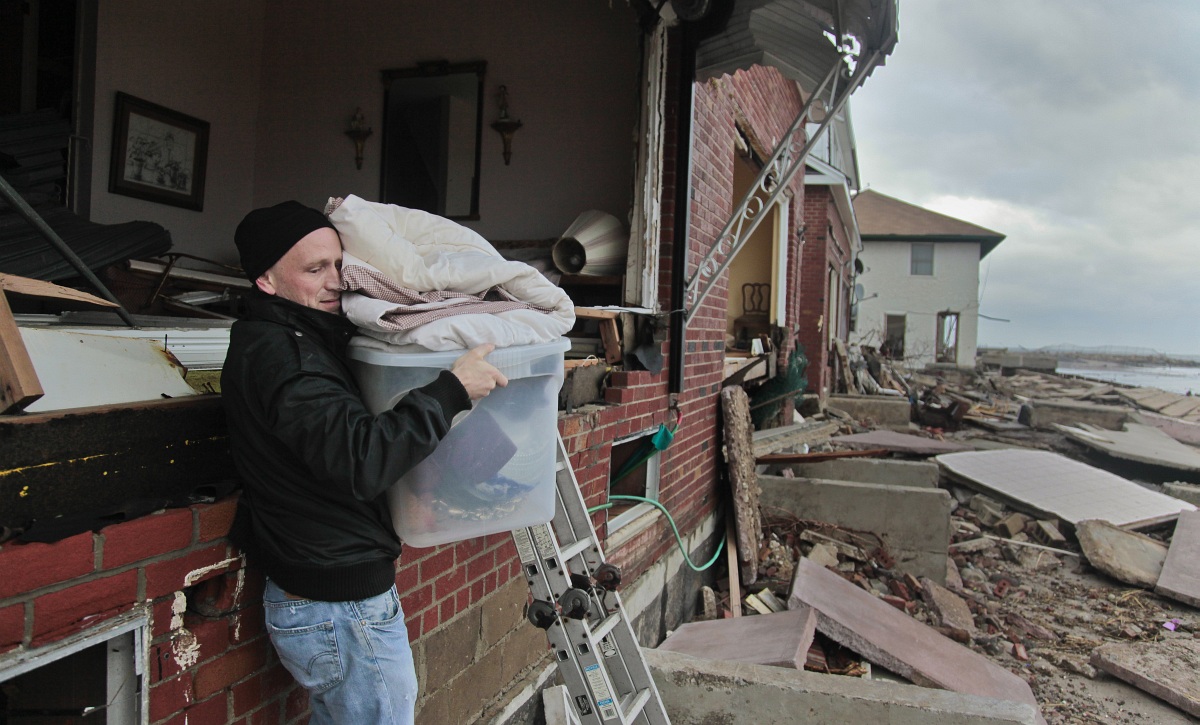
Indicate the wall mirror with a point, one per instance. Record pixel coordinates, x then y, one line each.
432 120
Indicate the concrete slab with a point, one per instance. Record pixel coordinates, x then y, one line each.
914 523
1180 408
1180 578
779 639
1189 492
699 691
1045 413
949 608
893 640
1126 556
1138 443
881 409
1181 430
923 474
1055 486
792 436
898 442
1169 669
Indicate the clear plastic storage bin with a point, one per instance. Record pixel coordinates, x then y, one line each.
494 470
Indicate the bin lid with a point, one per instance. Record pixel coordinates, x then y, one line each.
375 352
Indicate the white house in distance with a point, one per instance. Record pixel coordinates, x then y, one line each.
918 291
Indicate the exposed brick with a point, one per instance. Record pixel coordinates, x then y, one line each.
171 696
12 626
171 575
212 635
148 536
213 711
247 624
227 593
234 665
215 519
26 567
83 605
260 688
296 704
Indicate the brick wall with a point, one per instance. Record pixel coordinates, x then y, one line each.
821 251
211 661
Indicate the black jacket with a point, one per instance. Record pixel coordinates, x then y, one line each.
315 464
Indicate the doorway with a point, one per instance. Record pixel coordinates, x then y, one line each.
893 337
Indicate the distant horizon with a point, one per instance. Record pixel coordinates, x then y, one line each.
1067 347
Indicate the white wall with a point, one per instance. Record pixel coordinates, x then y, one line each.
199 58
954 286
278 82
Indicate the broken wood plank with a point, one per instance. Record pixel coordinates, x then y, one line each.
19 384
610 336
773 439
820 456
40 288
899 442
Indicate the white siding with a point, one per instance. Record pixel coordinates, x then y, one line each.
954 286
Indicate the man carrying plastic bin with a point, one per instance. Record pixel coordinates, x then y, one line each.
316 464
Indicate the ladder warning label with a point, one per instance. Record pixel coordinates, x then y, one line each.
604 701
607 648
524 545
544 541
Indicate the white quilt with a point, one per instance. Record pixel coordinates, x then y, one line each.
425 252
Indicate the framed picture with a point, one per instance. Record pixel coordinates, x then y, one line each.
158 154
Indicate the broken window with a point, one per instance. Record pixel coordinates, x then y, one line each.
88 678
893 341
633 471
921 261
947 337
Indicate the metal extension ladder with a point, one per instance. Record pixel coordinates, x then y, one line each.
576 602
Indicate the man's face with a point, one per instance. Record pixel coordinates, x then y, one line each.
310 273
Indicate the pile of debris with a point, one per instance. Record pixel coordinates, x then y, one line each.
1061 583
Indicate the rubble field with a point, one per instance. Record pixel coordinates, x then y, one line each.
1019 589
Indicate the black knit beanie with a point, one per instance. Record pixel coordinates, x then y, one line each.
265 235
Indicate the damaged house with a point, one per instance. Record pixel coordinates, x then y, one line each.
920 281
690 123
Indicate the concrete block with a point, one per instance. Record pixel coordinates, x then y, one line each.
923 474
1165 669
899 442
914 523
885 410
1045 413
699 691
779 639
1126 556
1189 492
897 642
1180 579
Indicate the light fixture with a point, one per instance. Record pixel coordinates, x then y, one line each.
359 131
506 126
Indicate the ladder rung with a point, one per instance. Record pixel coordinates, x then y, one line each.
633 703
569 552
607 625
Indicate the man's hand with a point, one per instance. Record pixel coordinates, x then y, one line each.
477 375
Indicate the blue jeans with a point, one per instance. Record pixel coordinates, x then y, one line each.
352 657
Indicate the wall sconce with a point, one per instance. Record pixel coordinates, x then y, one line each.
506 126
359 131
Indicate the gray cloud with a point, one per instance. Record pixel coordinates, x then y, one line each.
1070 127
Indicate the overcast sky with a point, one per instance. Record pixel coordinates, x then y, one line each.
1072 127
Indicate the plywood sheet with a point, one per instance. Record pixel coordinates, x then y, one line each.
1050 484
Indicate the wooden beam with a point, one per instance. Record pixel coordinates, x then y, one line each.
19 384
40 288
817 457
610 336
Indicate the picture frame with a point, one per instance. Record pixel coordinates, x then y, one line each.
158 154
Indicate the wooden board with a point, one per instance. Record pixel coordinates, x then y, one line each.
19 384
743 479
40 288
